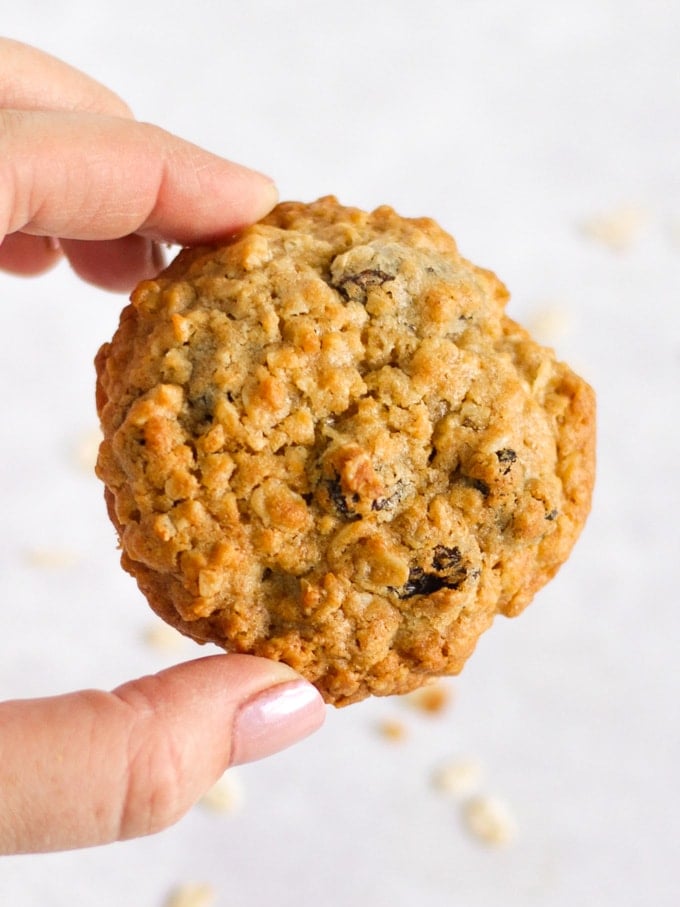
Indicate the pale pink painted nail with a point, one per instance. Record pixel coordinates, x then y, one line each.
274 719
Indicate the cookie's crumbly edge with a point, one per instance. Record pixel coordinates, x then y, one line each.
576 462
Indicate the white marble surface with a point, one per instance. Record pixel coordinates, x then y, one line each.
514 124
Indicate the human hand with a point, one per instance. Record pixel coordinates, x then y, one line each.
80 178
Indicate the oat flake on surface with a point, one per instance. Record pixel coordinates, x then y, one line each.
191 894
489 820
459 777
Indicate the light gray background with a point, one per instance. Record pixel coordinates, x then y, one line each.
513 124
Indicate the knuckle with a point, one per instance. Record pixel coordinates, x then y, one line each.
153 797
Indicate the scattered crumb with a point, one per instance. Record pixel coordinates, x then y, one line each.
433 698
191 895
618 228
51 558
225 796
549 324
393 730
163 637
86 450
460 778
489 820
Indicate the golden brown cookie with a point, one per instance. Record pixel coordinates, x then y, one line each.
326 444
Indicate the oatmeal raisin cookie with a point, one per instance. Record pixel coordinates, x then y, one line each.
325 443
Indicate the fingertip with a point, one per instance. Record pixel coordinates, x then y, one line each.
117 265
234 199
219 711
28 256
268 705
268 197
205 198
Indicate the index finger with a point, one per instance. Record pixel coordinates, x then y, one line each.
81 176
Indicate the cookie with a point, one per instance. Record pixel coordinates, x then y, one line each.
325 443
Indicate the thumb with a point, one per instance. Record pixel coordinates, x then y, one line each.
93 767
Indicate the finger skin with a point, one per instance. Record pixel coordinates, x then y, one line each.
83 177
80 176
28 255
93 767
31 79
117 264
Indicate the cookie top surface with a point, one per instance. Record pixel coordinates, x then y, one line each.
325 443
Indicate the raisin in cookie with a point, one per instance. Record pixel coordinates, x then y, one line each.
325 443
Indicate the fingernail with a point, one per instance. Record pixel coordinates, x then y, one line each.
274 719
